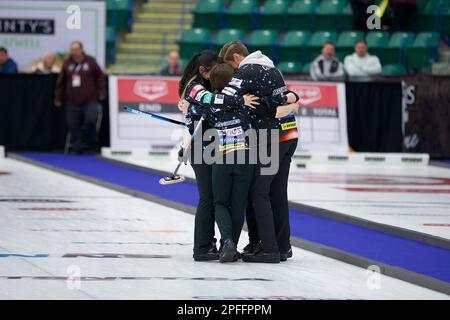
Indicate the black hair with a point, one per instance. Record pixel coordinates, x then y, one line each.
3 49
361 41
206 58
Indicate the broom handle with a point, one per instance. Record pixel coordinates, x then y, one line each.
178 168
197 128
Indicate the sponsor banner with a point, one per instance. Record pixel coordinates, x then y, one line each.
321 121
29 29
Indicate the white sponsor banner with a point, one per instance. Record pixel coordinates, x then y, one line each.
321 121
322 118
29 29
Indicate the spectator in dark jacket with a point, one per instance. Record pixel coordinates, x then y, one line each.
360 15
173 67
7 65
327 67
404 14
83 84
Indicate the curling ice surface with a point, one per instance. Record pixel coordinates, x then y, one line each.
411 197
48 213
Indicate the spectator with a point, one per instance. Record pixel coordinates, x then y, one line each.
404 14
360 15
7 65
361 64
173 67
326 67
83 84
47 65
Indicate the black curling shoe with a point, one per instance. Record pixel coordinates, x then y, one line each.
262 257
286 255
228 252
208 255
251 248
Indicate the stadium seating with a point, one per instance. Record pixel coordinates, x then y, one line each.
240 14
294 31
273 15
327 14
300 15
423 50
306 67
291 47
430 18
345 20
395 51
394 70
118 14
290 67
446 21
110 34
377 41
208 14
263 40
193 41
226 35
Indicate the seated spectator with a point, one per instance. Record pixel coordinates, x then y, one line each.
7 65
46 65
326 67
173 67
361 64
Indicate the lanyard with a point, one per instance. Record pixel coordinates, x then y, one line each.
78 68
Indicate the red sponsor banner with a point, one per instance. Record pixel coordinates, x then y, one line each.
148 90
314 95
165 90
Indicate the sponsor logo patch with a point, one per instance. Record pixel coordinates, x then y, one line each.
219 99
208 97
231 132
227 123
195 90
236 82
150 89
200 95
229 91
234 146
279 90
289 125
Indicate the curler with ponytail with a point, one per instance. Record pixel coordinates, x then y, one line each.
206 58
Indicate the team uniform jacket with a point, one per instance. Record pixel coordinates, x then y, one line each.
257 75
212 106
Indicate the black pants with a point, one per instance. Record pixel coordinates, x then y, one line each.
82 121
204 215
252 226
270 202
405 17
231 183
360 16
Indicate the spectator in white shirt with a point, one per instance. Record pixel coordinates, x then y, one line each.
327 67
361 64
